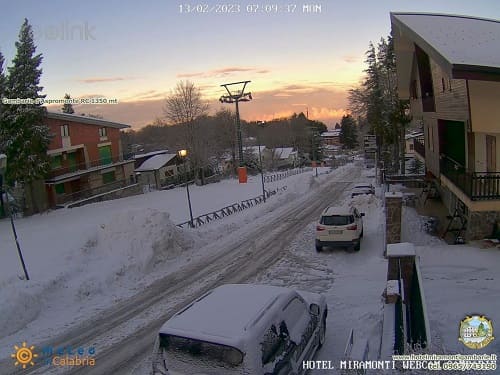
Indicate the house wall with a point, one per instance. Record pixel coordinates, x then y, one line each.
485 106
480 147
84 134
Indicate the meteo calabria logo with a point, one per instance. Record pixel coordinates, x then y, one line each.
476 331
24 355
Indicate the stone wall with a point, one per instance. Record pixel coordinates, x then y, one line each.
393 202
481 224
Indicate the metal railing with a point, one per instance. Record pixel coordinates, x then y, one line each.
419 146
283 175
476 185
82 166
62 199
229 210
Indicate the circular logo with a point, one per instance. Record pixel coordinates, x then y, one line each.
24 355
476 331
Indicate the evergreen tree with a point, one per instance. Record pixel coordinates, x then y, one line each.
337 126
67 107
348 132
27 138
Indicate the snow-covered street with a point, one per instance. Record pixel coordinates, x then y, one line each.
112 283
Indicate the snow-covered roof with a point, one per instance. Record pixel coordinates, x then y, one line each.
331 133
254 149
226 313
86 120
465 46
155 162
152 153
284 152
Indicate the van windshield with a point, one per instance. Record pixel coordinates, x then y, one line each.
337 220
201 351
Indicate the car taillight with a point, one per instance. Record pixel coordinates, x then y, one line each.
352 227
320 228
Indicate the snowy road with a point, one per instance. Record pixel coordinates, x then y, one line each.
124 333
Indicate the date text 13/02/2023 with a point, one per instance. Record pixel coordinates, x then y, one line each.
263 8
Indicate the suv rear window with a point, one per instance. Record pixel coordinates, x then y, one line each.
201 350
337 220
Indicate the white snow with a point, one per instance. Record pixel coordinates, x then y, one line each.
155 162
403 249
85 259
459 39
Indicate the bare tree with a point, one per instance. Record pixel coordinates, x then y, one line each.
185 106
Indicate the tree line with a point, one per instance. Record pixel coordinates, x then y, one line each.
377 104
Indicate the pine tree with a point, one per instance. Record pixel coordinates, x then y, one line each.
67 107
27 138
348 132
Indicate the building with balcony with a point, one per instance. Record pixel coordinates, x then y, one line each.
448 66
86 158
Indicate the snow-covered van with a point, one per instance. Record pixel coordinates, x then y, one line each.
242 329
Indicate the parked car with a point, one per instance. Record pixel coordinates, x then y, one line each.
361 189
339 226
242 329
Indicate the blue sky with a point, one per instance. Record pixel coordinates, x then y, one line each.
138 51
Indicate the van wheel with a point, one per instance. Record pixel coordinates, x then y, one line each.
357 247
322 332
319 248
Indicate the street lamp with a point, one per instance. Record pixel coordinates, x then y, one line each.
236 97
183 155
3 166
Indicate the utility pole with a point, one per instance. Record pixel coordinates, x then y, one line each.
235 97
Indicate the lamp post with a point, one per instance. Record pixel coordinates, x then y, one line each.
3 166
236 97
183 155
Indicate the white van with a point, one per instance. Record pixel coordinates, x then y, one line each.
242 329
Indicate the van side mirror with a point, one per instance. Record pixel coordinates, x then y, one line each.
362 214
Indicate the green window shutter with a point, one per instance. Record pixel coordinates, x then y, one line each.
59 188
72 161
56 162
105 155
108 177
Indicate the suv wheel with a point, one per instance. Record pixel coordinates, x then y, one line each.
357 247
319 248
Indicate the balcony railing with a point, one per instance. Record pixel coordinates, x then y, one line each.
59 171
62 199
476 185
419 147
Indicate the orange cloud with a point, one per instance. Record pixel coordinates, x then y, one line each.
102 79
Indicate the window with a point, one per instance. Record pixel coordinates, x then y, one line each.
105 155
197 350
273 345
443 85
337 220
102 132
413 89
56 162
108 177
65 130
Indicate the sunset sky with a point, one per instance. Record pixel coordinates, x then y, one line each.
136 51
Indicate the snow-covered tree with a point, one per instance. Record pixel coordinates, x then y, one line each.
26 137
67 107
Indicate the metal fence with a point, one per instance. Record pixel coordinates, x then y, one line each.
282 175
229 210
